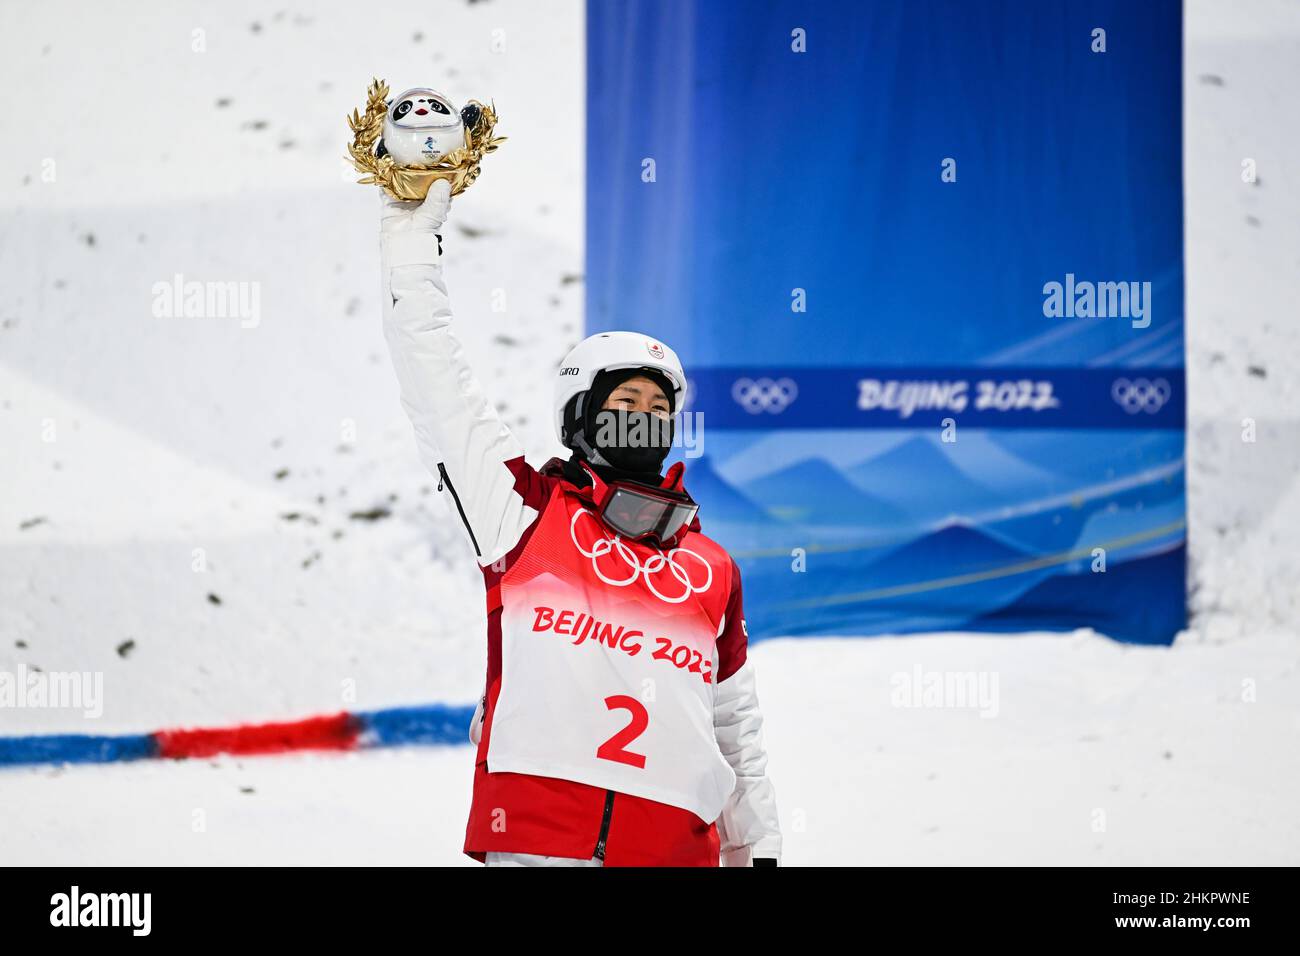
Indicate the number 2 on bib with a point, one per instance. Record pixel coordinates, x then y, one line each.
615 748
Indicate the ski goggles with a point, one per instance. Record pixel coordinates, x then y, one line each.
640 512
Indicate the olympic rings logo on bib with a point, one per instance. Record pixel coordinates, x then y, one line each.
652 569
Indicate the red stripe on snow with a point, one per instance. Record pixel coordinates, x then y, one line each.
335 732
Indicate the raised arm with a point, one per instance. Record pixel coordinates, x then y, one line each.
459 434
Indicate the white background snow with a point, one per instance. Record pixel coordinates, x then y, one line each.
137 447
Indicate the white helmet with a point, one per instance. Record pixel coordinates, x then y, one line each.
612 350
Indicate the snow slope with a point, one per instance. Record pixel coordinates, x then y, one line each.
1241 68
141 448
276 460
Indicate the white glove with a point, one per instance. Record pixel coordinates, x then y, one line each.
476 725
409 235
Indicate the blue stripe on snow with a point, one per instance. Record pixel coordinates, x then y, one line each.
427 724
75 748
395 726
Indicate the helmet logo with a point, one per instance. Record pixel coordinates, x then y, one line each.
655 349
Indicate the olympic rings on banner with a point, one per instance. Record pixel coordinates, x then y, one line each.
764 394
1141 395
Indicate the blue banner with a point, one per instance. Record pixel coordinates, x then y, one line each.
923 263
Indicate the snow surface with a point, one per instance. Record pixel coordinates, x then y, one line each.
134 440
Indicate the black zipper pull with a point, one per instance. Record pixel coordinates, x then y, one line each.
604 825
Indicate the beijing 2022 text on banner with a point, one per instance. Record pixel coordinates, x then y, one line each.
923 262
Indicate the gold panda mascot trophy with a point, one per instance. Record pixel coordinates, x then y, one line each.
405 144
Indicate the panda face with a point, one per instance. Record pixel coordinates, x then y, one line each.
422 109
421 127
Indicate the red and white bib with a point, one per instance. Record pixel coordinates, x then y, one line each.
608 660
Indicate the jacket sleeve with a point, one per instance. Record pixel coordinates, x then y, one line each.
749 828
460 437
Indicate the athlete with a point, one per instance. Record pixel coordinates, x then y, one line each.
619 724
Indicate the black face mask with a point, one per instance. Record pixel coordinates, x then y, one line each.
631 441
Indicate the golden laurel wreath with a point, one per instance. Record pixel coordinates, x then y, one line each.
460 166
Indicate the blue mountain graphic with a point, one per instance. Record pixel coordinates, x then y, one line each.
814 492
919 478
953 550
719 500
